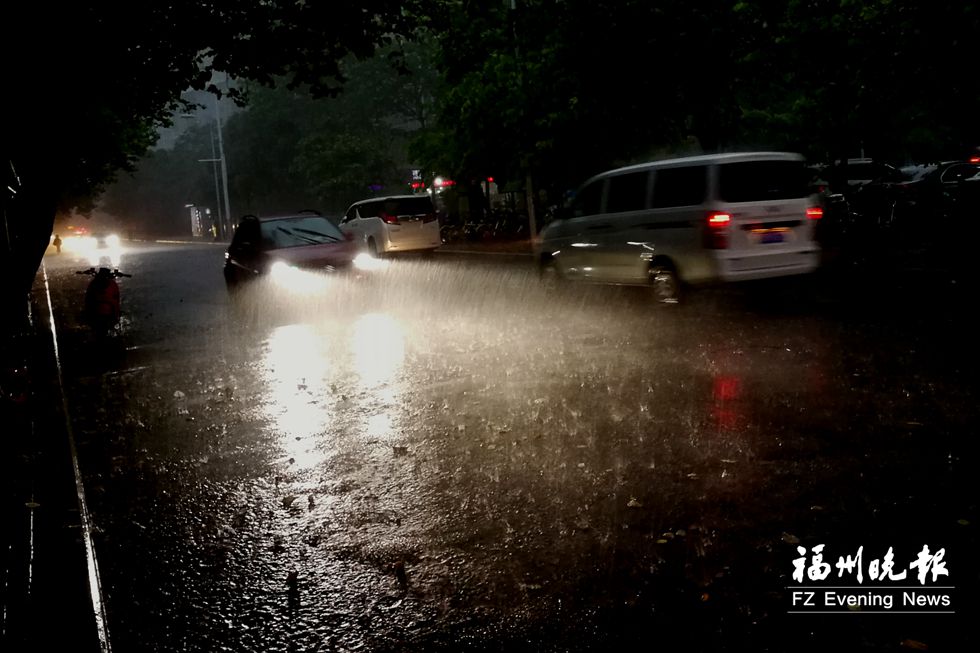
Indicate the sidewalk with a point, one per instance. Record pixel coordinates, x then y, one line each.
46 597
505 247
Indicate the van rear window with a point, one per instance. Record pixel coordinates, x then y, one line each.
758 181
421 205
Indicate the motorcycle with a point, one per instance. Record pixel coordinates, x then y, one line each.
102 305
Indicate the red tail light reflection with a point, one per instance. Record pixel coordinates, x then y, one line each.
726 409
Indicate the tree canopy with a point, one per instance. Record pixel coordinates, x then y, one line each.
86 85
565 88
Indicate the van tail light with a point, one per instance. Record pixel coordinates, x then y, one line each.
814 213
429 217
716 230
388 218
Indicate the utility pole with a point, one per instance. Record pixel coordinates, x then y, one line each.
227 227
525 158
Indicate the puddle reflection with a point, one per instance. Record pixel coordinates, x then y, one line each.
296 369
378 348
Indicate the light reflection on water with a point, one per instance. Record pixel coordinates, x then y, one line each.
296 368
303 361
377 344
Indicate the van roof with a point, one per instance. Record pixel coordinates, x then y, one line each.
393 197
727 157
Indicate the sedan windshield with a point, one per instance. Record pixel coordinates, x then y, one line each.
299 232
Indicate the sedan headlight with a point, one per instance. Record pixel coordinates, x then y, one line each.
280 272
367 262
296 280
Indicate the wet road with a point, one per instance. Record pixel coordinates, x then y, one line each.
445 457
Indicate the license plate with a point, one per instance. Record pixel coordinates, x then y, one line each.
772 237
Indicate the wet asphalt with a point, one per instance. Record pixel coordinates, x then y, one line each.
444 456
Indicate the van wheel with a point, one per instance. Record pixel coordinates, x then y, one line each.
373 248
666 285
549 275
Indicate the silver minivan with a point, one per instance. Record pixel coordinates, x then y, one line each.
721 217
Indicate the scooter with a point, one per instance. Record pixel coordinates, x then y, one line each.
101 311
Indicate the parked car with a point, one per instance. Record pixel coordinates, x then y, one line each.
942 190
724 217
853 174
398 223
284 243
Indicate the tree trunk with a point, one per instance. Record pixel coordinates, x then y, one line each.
28 220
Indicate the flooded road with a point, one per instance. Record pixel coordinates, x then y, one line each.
444 456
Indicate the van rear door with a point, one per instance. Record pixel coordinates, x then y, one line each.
772 218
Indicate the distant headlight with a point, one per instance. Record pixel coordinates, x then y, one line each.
112 240
80 243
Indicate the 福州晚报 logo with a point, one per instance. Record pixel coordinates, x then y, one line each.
909 585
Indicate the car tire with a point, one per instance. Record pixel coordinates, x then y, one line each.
231 280
372 248
665 283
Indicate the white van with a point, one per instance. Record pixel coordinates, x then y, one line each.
721 217
398 223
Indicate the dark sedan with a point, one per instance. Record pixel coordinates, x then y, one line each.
286 247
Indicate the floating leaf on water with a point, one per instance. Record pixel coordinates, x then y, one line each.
633 503
915 645
790 539
963 522
288 501
178 394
